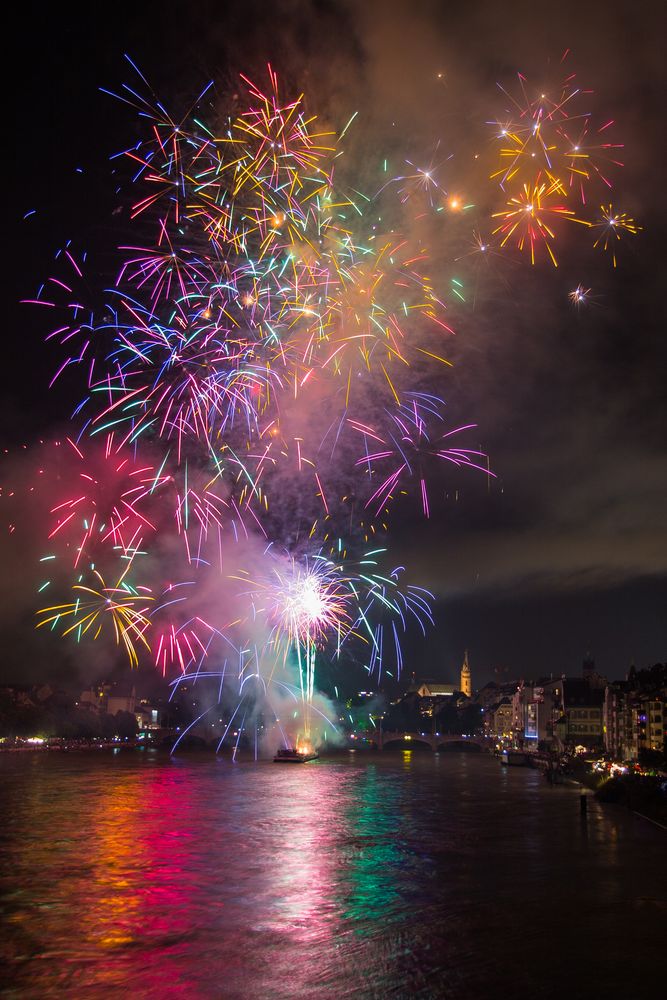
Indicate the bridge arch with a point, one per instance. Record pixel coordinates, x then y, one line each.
458 746
436 741
401 743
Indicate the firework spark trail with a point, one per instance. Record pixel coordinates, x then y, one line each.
103 507
610 228
262 325
207 341
124 606
549 144
529 214
409 448
323 604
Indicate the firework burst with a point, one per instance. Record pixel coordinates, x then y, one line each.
97 607
610 229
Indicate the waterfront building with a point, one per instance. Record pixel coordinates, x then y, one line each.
122 701
655 723
106 698
634 713
643 724
517 711
96 697
614 719
432 696
581 721
498 719
493 693
148 717
628 747
536 707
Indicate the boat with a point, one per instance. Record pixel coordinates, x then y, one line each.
290 755
516 758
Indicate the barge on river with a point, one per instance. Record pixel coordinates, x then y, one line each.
290 755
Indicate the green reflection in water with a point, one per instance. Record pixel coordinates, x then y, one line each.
373 854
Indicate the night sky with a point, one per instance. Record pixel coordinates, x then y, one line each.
566 551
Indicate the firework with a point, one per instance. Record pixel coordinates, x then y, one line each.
184 643
530 216
67 295
588 157
579 296
97 607
321 604
303 603
102 510
610 229
410 447
550 144
258 327
262 374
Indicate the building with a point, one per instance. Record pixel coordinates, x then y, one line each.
466 677
588 667
148 718
498 719
581 722
122 701
105 698
634 713
655 723
634 720
536 707
614 722
492 693
95 697
431 697
433 689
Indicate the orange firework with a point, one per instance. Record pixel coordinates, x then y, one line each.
529 217
123 605
610 229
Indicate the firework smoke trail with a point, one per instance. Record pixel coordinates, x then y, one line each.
264 380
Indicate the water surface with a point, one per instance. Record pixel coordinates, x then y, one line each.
386 875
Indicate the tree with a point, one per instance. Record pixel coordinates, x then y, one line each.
126 725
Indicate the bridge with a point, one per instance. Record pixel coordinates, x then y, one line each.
436 741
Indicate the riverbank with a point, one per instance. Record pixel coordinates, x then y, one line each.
641 793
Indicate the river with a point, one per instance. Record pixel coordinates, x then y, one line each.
376 875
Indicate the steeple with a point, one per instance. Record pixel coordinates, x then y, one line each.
588 666
466 677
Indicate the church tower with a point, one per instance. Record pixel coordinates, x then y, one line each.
588 666
466 677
